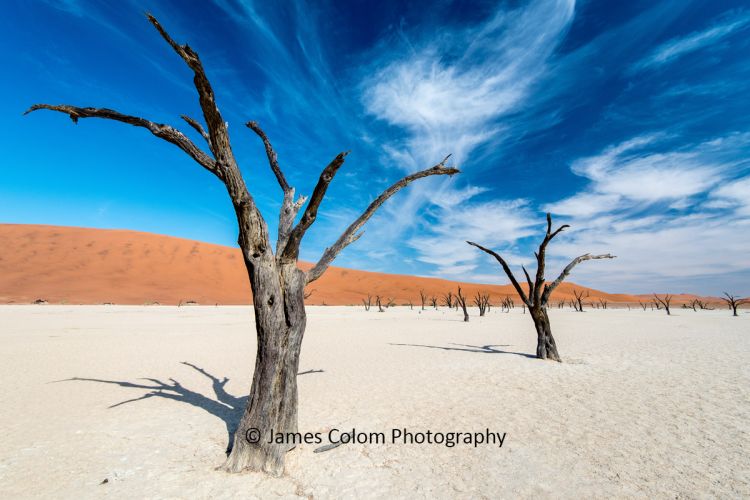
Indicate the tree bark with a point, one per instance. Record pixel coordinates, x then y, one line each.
545 344
280 320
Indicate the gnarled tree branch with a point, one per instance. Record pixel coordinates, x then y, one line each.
291 250
166 132
289 207
549 288
507 270
198 128
351 234
541 258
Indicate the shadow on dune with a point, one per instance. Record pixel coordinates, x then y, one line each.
485 349
227 407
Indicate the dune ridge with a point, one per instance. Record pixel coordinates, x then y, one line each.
93 266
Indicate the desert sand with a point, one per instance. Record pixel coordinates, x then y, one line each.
645 405
73 265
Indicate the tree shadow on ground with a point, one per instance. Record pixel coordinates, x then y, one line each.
226 406
485 349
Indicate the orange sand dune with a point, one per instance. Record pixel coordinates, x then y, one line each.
93 266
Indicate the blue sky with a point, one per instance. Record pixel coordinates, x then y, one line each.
627 120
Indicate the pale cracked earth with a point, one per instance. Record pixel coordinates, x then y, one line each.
645 405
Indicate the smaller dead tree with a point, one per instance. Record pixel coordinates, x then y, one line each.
411 305
578 301
540 290
603 303
390 302
367 302
307 294
423 298
482 301
734 302
448 300
461 300
434 302
664 301
378 302
643 305
703 305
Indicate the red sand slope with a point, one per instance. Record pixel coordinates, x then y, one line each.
93 266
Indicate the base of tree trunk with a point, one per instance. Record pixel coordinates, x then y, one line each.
268 458
546 348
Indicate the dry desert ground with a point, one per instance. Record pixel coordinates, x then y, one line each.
645 405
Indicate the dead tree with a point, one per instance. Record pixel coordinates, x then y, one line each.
734 302
276 282
664 301
461 300
482 301
307 294
603 303
390 302
448 300
434 302
540 291
379 304
423 298
643 304
367 302
411 305
578 301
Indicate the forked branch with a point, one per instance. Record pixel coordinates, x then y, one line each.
548 289
351 234
507 270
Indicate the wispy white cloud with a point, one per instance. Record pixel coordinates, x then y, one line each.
677 47
448 94
668 213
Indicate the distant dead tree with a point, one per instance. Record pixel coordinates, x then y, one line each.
448 300
276 282
656 303
664 301
702 305
411 305
643 304
734 302
367 302
578 301
482 301
390 302
540 291
603 303
309 294
379 304
423 298
434 302
461 300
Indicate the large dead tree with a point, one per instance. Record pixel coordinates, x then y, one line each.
733 302
423 298
277 283
539 291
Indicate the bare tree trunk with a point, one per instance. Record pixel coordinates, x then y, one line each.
545 343
280 322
